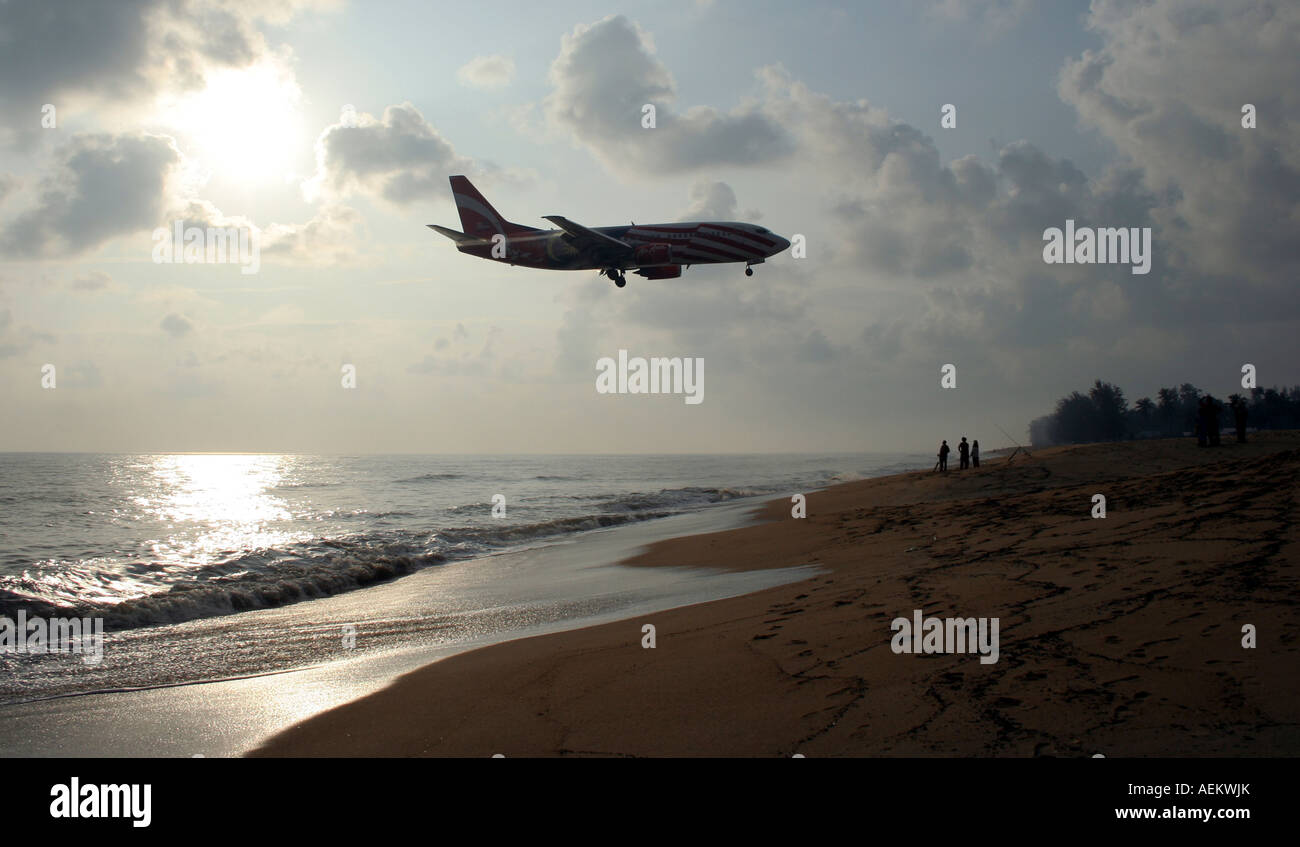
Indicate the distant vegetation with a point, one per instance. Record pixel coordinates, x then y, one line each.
1103 414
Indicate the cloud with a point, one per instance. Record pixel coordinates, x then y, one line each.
487 72
951 251
710 201
82 375
101 186
604 75
1164 90
93 281
992 16
331 237
15 339
399 157
176 326
81 53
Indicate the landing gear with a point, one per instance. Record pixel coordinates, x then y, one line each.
616 275
749 271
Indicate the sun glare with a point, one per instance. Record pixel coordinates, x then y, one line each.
245 126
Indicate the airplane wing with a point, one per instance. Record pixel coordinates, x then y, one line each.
588 240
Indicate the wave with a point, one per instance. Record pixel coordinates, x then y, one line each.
160 593
260 579
680 498
506 536
432 477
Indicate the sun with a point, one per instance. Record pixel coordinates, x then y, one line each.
245 126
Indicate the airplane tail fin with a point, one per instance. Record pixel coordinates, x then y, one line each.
477 216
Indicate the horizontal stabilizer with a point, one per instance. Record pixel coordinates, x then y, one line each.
458 237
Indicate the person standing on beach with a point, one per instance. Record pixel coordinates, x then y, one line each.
943 456
1239 418
1212 409
963 452
975 454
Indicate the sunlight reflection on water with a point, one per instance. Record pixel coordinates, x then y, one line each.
223 501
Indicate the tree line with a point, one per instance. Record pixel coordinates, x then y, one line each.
1104 414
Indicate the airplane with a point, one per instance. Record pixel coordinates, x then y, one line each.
654 251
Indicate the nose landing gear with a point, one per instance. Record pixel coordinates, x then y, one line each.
616 275
749 271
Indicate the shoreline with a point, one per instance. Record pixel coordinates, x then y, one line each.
399 626
1118 636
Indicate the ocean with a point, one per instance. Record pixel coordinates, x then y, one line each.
186 557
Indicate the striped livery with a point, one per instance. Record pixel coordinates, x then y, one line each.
655 251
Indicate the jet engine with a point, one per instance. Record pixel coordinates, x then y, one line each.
653 254
661 272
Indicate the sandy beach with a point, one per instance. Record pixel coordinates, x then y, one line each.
1120 636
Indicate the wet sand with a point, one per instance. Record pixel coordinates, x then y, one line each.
1120 636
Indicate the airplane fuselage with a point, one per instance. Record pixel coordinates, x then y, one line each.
655 251
690 243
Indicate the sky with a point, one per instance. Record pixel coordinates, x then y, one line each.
328 131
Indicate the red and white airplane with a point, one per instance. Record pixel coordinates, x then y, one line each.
655 251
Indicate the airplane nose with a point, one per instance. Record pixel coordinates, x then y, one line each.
782 244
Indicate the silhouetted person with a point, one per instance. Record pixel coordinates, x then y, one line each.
963 451
1212 412
1239 417
975 454
1202 423
943 456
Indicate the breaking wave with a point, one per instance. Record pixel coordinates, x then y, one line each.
148 593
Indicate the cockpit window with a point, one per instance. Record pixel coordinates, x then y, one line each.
760 230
